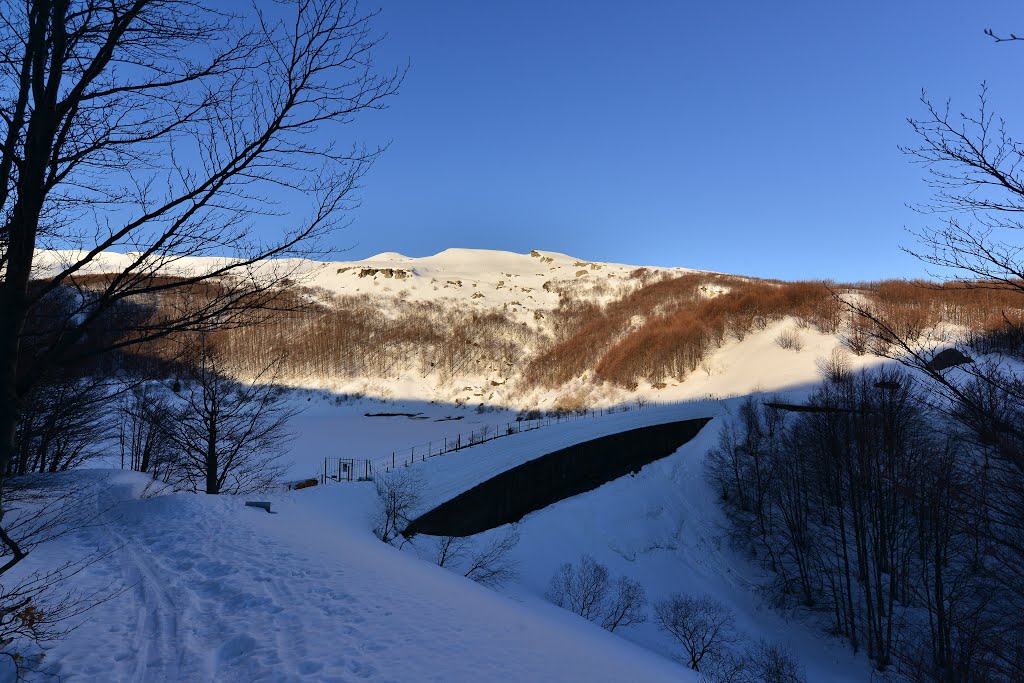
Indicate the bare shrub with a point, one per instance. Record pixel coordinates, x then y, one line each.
626 606
856 337
449 550
569 403
702 625
399 492
835 368
762 662
493 565
790 339
587 590
772 663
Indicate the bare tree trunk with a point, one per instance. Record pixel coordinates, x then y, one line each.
12 321
92 86
212 480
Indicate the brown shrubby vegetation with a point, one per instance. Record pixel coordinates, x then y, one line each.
682 319
658 330
914 306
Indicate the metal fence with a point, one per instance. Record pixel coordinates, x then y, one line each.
346 469
354 469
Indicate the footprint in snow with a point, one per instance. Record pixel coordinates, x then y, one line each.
236 648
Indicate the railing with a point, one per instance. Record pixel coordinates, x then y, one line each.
353 469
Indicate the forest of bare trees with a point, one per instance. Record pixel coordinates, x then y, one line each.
876 511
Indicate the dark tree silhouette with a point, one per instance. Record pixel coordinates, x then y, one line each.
160 127
226 436
973 162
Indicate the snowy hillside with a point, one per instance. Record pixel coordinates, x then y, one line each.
207 589
217 591
535 300
481 278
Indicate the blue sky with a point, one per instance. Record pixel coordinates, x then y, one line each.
747 137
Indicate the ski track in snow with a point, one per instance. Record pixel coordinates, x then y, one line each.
220 592
186 584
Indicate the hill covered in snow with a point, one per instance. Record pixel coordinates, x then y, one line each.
390 354
535 330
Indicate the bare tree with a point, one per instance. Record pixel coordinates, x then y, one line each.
626 606
227 436
583 590
493 566
449 550
588 590
399 493
703 626
973 161
65 423
167 128
144 415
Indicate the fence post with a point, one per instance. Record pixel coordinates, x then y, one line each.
392 458
324 481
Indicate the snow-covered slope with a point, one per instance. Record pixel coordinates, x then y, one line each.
479 278
524 288
664 528
214 591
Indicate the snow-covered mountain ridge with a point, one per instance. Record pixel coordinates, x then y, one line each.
494 314
481 278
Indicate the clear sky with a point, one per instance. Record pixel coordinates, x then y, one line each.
748 137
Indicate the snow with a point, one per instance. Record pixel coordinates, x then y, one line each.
213 590
501 277
663 527
449 475
217 591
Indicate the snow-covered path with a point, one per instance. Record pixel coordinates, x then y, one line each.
220 592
